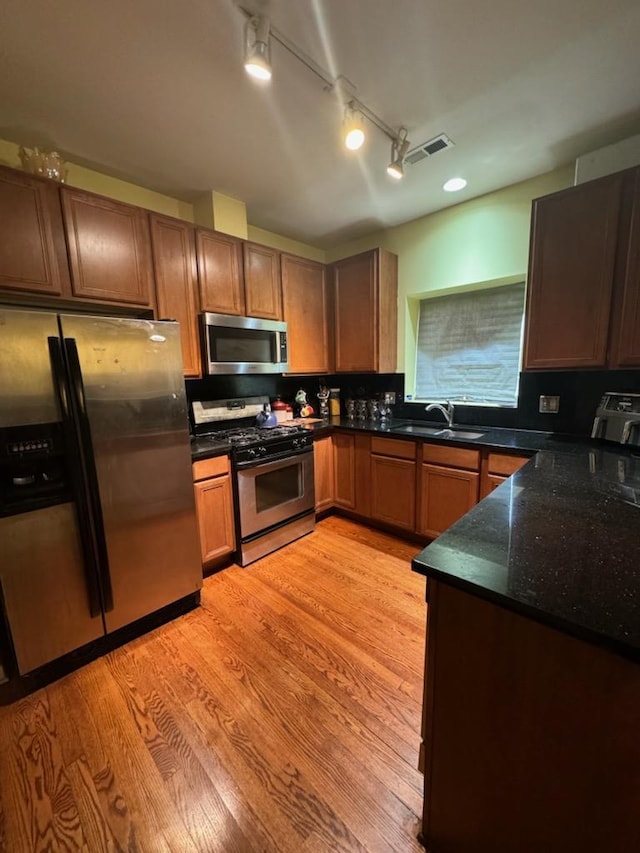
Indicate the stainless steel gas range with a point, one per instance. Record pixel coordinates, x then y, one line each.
272 470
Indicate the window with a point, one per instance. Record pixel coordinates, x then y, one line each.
469 346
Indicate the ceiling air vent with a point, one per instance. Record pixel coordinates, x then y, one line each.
428 149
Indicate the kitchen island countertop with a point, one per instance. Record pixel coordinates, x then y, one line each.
558 542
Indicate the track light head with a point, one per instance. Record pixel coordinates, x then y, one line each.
353 128
399 148
257 48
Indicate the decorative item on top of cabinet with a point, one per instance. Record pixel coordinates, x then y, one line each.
306 309
176 275
393 482
576 248
366 310
109 248
33 254
262 290
220 272
214 508
323 472
495 468
448 486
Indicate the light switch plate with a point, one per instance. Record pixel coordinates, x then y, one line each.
549 404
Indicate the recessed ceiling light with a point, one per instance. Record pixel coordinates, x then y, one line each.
454 184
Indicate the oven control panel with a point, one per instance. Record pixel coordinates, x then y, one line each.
272 449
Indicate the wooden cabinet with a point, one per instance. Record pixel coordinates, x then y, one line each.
33 255
262 290
625 349
174 261
306 305
344 470
214 507
323 472
365 312
220 272
496 468
583 303
510 705
449 479
393 482
109 249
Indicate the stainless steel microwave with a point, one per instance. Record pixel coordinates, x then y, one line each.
243 344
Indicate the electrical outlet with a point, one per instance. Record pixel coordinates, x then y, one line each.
549 404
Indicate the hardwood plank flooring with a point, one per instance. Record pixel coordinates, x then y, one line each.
281 716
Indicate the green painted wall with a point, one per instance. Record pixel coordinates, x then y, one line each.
285 244
96 182
212 210
478 241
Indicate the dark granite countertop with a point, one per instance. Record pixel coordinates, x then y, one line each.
558 542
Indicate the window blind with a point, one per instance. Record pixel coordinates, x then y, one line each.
469 346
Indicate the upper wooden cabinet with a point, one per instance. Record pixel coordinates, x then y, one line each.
109 249
220 272
262 291
305 306
366 310
33 256
625 348
583 291
174 262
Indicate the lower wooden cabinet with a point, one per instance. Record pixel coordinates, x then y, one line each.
214 507
446 492
323 472
393 482
419 487
496 468
344 470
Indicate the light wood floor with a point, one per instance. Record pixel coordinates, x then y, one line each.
282 715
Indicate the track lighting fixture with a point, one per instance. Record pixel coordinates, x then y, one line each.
257 47
353 128
259 34
399 148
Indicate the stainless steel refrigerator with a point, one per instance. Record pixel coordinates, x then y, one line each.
97 515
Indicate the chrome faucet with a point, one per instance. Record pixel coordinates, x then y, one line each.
447 411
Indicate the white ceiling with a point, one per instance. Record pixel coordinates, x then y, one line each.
154 91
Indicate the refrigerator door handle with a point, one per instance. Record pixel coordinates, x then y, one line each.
79 490
89 464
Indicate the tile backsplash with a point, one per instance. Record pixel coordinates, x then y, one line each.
579 392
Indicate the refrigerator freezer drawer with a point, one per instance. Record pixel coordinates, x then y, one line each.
44 587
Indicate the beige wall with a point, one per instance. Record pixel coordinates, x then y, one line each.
485 240
478 241
88 179
212 209
285 244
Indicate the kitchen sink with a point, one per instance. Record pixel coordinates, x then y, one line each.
458 433
438 432
414 429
